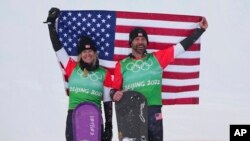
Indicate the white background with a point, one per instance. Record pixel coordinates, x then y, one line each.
33 103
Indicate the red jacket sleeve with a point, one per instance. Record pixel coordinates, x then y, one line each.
117 83
107 81
165 56
70 67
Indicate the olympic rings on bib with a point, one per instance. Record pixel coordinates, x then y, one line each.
93 76
139 65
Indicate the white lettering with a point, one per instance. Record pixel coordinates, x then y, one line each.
243 131
153 82
92 125
93 92
78 90
135 85
84 90
239 132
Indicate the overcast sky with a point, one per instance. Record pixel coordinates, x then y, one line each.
33 103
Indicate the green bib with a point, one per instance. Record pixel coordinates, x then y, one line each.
144 76
86 88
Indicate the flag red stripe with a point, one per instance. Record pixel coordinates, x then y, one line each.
179 75
160 46
157 16
186 62
119 57
157 31
176 89
193 100
195 47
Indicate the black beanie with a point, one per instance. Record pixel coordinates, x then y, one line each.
137 32
86 43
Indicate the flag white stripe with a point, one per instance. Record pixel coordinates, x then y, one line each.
189 55
74 57
180 82
154 38
181 68
180 95
107 63
178 50
156 23
62 57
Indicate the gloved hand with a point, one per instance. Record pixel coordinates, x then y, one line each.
53 14
108 132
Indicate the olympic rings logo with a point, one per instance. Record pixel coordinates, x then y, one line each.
92 76
139 65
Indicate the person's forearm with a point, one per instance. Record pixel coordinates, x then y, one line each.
60 51
53 37
187 42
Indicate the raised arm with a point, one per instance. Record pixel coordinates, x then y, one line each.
60 51
51 19
167 55
187 42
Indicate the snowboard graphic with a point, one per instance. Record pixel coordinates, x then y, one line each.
131 114
87 122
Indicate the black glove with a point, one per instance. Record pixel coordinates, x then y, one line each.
108 132
53 14
112 93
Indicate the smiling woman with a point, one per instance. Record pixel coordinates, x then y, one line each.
87 58
87 81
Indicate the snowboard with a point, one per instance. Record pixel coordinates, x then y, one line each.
132 117
86 120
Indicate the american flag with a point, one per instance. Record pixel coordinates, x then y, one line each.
110 31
